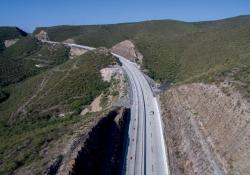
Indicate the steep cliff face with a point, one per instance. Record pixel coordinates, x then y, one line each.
104 149
207 129
42 35
128 50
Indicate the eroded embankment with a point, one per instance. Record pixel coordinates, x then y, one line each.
207 130
103 151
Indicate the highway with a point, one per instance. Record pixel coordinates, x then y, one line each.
146 152
68 44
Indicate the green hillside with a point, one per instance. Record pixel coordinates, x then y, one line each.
108 35
173 51
42 93
21 59
7 33
30 117
11 33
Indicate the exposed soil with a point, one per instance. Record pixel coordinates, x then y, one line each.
108 72
70 41
128 50
42 35
95 105
207 130
74 52
117 93
10 42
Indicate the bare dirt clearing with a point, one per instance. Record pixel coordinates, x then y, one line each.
128 50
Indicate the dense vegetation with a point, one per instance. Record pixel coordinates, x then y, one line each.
11 33
173 51
21 59
41 95
108 35
3 95
42 108
7 33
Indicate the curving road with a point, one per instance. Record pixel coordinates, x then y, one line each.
146 153
146 149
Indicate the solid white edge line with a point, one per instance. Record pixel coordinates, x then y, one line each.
163 146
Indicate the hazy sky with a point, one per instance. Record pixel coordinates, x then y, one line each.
29 14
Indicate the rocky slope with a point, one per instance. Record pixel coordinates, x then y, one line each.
10 42
207 129
42 35
128 50
105 141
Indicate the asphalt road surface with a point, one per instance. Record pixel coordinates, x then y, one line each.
146 153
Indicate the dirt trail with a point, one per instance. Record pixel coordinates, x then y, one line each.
34 98
22 107
73 67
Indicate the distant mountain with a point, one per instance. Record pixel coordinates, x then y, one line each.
11 33
8 33
173 51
